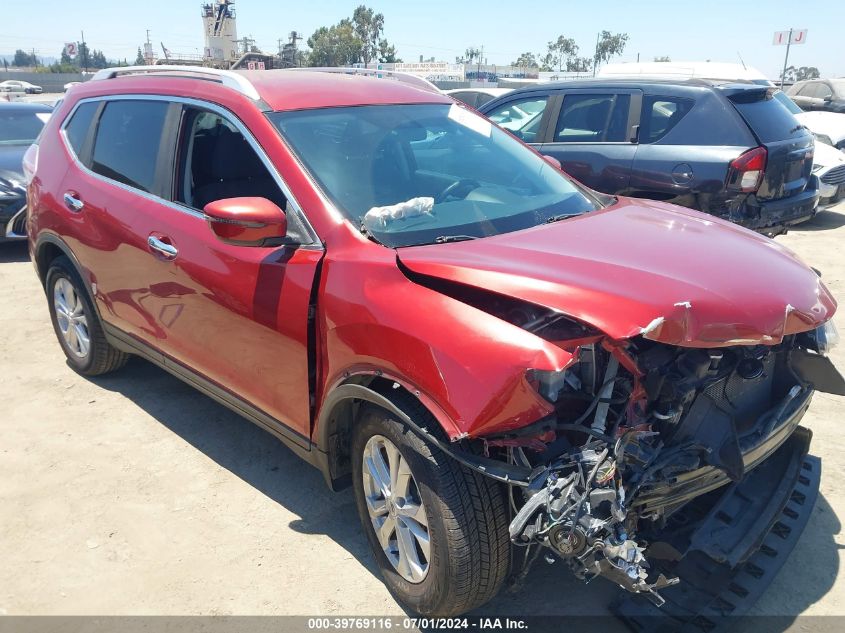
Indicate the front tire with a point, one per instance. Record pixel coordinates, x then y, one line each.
76 324
438 531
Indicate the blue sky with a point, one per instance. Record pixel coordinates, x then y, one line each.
713 29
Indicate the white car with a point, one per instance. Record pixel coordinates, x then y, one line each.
12 85
716 71
829 166
827 127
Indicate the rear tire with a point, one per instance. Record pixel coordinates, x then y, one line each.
76 323
466 515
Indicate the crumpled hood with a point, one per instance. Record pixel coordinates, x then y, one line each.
641 267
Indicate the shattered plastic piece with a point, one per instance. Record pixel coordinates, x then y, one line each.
654 325
380 217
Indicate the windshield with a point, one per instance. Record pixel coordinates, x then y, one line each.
419 174
21 127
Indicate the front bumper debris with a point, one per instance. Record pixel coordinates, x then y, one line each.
735 552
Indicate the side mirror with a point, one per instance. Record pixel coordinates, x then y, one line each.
554 162
828 99
247 221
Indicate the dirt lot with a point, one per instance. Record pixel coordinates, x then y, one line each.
134 494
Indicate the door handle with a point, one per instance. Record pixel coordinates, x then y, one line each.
168 251
72 202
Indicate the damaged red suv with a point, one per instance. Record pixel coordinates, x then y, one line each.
499 361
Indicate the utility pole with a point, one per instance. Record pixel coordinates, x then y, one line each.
34 58
84 50
785 59
147 49
596 55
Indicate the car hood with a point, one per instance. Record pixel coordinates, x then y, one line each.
640 267
831 124
11 158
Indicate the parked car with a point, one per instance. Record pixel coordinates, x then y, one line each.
12 85
20 124
477 97
829 167
827 127
497 359
730 150
819 94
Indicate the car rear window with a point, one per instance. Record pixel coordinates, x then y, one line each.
76 130
768 118
128 139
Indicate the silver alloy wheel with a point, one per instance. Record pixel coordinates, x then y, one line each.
396 509
70 315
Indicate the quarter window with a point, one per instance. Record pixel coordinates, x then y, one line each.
593 118
661 114
128 140
79 125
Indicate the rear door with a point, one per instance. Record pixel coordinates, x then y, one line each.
593 134
789 145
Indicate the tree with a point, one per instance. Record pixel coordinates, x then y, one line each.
561 53
471 54
336 45
22 58
368 26
387 53
665 58
83 56
139 60
525 60
609 45
98 59
800 74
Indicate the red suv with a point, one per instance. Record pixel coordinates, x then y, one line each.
499 360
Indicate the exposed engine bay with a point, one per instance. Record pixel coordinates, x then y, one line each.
640 430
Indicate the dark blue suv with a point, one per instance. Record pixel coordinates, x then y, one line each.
731 150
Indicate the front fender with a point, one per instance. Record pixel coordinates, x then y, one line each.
468 367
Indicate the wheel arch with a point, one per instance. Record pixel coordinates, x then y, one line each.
341 409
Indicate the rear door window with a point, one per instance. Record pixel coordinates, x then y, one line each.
593 118
768 118
661 114
128 140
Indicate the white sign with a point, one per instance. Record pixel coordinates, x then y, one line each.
259 65
71 49
250 65
798 37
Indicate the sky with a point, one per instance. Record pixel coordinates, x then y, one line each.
718 30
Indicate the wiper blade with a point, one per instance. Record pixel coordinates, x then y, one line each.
368 234
557 218
442 239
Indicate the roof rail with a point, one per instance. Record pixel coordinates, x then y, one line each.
396 75
228 78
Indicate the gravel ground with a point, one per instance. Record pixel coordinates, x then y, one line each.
134 494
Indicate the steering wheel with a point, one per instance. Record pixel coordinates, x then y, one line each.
467 184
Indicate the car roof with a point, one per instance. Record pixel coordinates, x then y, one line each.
280 90
24 106
493 92
644 83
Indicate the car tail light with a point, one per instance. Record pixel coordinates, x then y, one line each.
746 171
30 163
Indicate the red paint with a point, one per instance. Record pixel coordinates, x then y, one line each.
239 315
